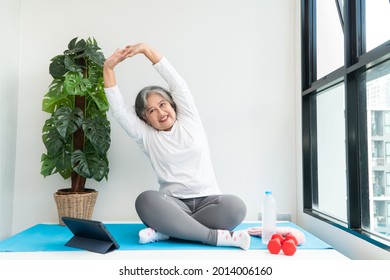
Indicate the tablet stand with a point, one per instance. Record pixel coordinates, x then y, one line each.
90 235
90 244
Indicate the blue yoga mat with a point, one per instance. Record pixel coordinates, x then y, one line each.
48 237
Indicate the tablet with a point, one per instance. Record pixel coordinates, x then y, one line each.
90 235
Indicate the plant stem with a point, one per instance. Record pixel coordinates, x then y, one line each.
78 181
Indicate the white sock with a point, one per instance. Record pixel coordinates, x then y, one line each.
240 238
149 235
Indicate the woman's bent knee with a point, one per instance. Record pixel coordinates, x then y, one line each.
236 208
145 199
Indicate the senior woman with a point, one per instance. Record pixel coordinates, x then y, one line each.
165 123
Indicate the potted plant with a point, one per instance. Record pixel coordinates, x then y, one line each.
77 133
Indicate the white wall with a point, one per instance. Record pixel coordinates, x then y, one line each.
238 59
9 57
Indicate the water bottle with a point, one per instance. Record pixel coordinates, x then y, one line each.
268 217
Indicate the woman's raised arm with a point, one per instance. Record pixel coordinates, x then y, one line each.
108 70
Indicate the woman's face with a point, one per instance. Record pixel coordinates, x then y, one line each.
159 112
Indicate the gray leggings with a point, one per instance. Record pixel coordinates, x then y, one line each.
194 219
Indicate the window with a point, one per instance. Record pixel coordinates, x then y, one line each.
378 22
346 115
388 219
374 86
387 122
331 149
387 153
329 30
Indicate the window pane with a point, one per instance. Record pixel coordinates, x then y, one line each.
377 23
330 38
331 153
376 84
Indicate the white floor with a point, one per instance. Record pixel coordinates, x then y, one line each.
327 254
211 264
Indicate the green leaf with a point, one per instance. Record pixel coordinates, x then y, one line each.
57 67
99 99
51 138
48 166
89 164
56 87
80 164
71 65
57 158
63 162
50 104
75 84
92 52
75 47
94 74
58 163
97 130
67 120
72 43
80 45
96 57
55 97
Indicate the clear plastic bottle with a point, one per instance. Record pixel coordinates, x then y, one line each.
268 217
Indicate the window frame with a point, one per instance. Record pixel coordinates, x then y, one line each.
357 61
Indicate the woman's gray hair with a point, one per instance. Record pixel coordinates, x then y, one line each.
141 103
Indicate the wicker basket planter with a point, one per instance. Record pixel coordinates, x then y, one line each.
76 205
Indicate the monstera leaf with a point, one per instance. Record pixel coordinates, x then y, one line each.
97 131
67 120
55 97
89 165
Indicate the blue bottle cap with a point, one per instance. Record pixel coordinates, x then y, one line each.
268 192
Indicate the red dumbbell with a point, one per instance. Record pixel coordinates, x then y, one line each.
278 236
288 244
289 248
275 244
291 237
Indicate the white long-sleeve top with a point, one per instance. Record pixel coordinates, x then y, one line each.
180 157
